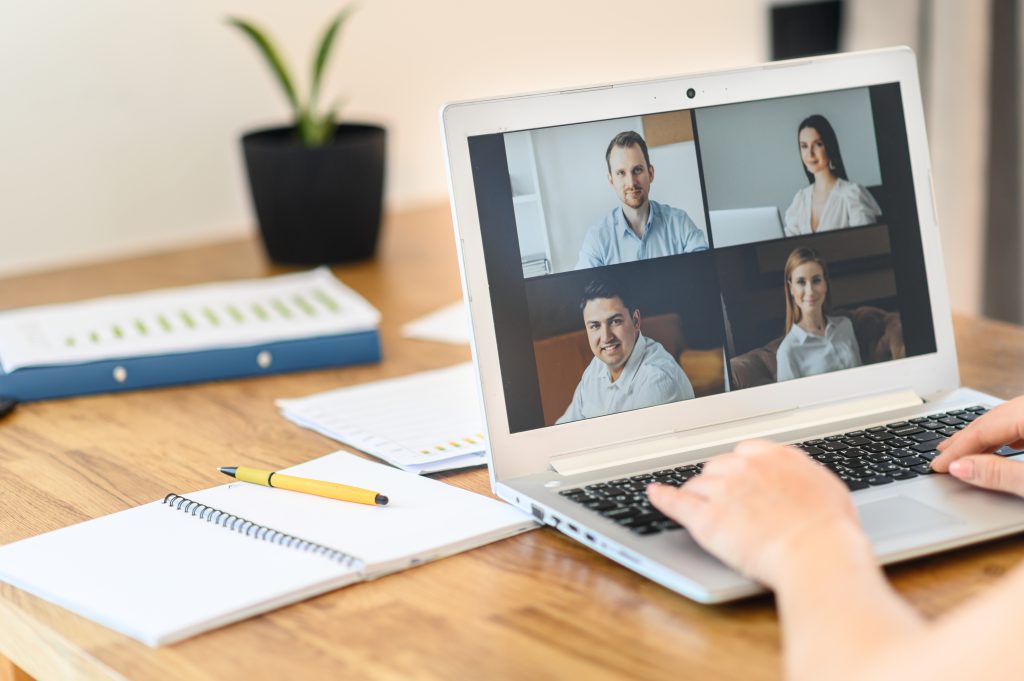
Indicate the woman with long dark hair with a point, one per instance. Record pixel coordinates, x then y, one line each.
830 201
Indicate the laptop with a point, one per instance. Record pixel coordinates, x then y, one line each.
649 348
734 226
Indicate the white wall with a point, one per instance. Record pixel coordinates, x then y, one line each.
751 156
955 47
119 118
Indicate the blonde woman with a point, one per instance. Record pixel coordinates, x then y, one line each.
815 343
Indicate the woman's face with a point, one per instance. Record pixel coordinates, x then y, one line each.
807 287
812 151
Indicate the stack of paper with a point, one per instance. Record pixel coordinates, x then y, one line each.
446 325
423 423
213 331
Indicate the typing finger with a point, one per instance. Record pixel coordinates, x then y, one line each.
990 472
687 509
1003 424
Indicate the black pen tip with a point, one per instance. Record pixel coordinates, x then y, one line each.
228 470
381 500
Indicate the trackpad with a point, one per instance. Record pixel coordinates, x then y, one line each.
893 517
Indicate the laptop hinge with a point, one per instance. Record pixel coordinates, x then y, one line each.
724 434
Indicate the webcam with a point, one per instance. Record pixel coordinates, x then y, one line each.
691 93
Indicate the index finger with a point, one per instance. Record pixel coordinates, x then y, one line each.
1002 425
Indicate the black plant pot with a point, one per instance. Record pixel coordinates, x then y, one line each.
317 205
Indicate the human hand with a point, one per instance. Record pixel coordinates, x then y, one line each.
968 455
762 509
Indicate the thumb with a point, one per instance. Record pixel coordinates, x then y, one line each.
991 472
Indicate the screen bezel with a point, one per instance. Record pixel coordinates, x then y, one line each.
522 453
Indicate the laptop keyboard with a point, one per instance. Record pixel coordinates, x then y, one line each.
872 457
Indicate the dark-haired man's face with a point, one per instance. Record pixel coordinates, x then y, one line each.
611 330
629 175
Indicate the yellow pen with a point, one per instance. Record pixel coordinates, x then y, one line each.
331 490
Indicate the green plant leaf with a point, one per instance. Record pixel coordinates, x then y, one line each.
328 121
273 57
324 51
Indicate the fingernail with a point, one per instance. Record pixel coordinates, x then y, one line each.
962 469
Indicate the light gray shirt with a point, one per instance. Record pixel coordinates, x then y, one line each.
650 377
669 231
805 354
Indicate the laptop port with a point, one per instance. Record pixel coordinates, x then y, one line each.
538 512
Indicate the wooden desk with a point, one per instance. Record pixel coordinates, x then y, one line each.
535 606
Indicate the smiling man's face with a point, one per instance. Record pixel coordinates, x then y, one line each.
611 330
629 175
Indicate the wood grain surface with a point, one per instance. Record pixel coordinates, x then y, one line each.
536 606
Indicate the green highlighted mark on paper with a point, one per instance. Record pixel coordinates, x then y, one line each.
232 316
330 303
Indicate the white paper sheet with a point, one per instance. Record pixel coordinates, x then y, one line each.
425 422
449 324
221 315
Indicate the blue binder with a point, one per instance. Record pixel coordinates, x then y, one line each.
47 382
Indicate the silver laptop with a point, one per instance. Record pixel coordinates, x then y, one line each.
734 226
647 347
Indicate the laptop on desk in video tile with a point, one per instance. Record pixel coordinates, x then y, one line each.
650 343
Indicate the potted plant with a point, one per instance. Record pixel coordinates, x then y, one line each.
317 185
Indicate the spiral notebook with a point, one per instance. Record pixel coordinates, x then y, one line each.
259 548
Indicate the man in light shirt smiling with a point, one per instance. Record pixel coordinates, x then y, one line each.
629 370
638 228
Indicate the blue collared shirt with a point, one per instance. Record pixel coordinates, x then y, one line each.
669 231
650 377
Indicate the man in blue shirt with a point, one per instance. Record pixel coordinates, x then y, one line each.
629 370
638 228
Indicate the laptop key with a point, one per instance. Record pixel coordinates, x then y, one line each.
571 492
923 469
904 475
646 518
620 513
926 436
879 480
855 485
645 529
601 505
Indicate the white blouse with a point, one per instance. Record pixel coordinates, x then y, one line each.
848 205
806 354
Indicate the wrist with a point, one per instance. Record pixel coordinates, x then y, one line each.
842 553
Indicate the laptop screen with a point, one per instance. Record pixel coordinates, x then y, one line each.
669 256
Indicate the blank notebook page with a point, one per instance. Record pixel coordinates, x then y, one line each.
158 574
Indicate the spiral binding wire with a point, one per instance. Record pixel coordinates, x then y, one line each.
260 532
